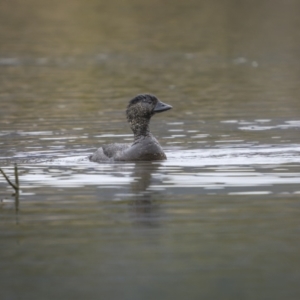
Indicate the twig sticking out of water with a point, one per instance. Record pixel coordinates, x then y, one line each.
17 176
14 185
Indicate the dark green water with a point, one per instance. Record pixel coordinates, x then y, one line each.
219 219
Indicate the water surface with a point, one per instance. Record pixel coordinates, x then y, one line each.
219 218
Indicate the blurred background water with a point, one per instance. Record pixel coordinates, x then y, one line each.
219 218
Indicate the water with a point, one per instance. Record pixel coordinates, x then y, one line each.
219 218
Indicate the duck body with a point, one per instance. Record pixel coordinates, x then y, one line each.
145 149
145 146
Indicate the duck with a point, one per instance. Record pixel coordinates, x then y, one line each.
145 146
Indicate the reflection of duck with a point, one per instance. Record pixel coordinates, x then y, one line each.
144 210
145 146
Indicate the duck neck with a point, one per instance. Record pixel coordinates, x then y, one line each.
140 128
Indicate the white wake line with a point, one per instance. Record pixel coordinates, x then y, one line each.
235 151
204 157
234 156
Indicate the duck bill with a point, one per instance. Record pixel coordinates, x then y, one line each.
160 107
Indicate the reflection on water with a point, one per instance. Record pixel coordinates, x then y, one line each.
219 218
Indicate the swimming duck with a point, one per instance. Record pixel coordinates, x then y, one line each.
145 146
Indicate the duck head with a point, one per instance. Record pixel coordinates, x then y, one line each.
140 110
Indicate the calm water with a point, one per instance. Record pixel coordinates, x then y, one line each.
219 219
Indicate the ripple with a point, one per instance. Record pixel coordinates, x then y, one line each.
257 127
235 156
212 170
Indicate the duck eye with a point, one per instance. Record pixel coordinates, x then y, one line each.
147 101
